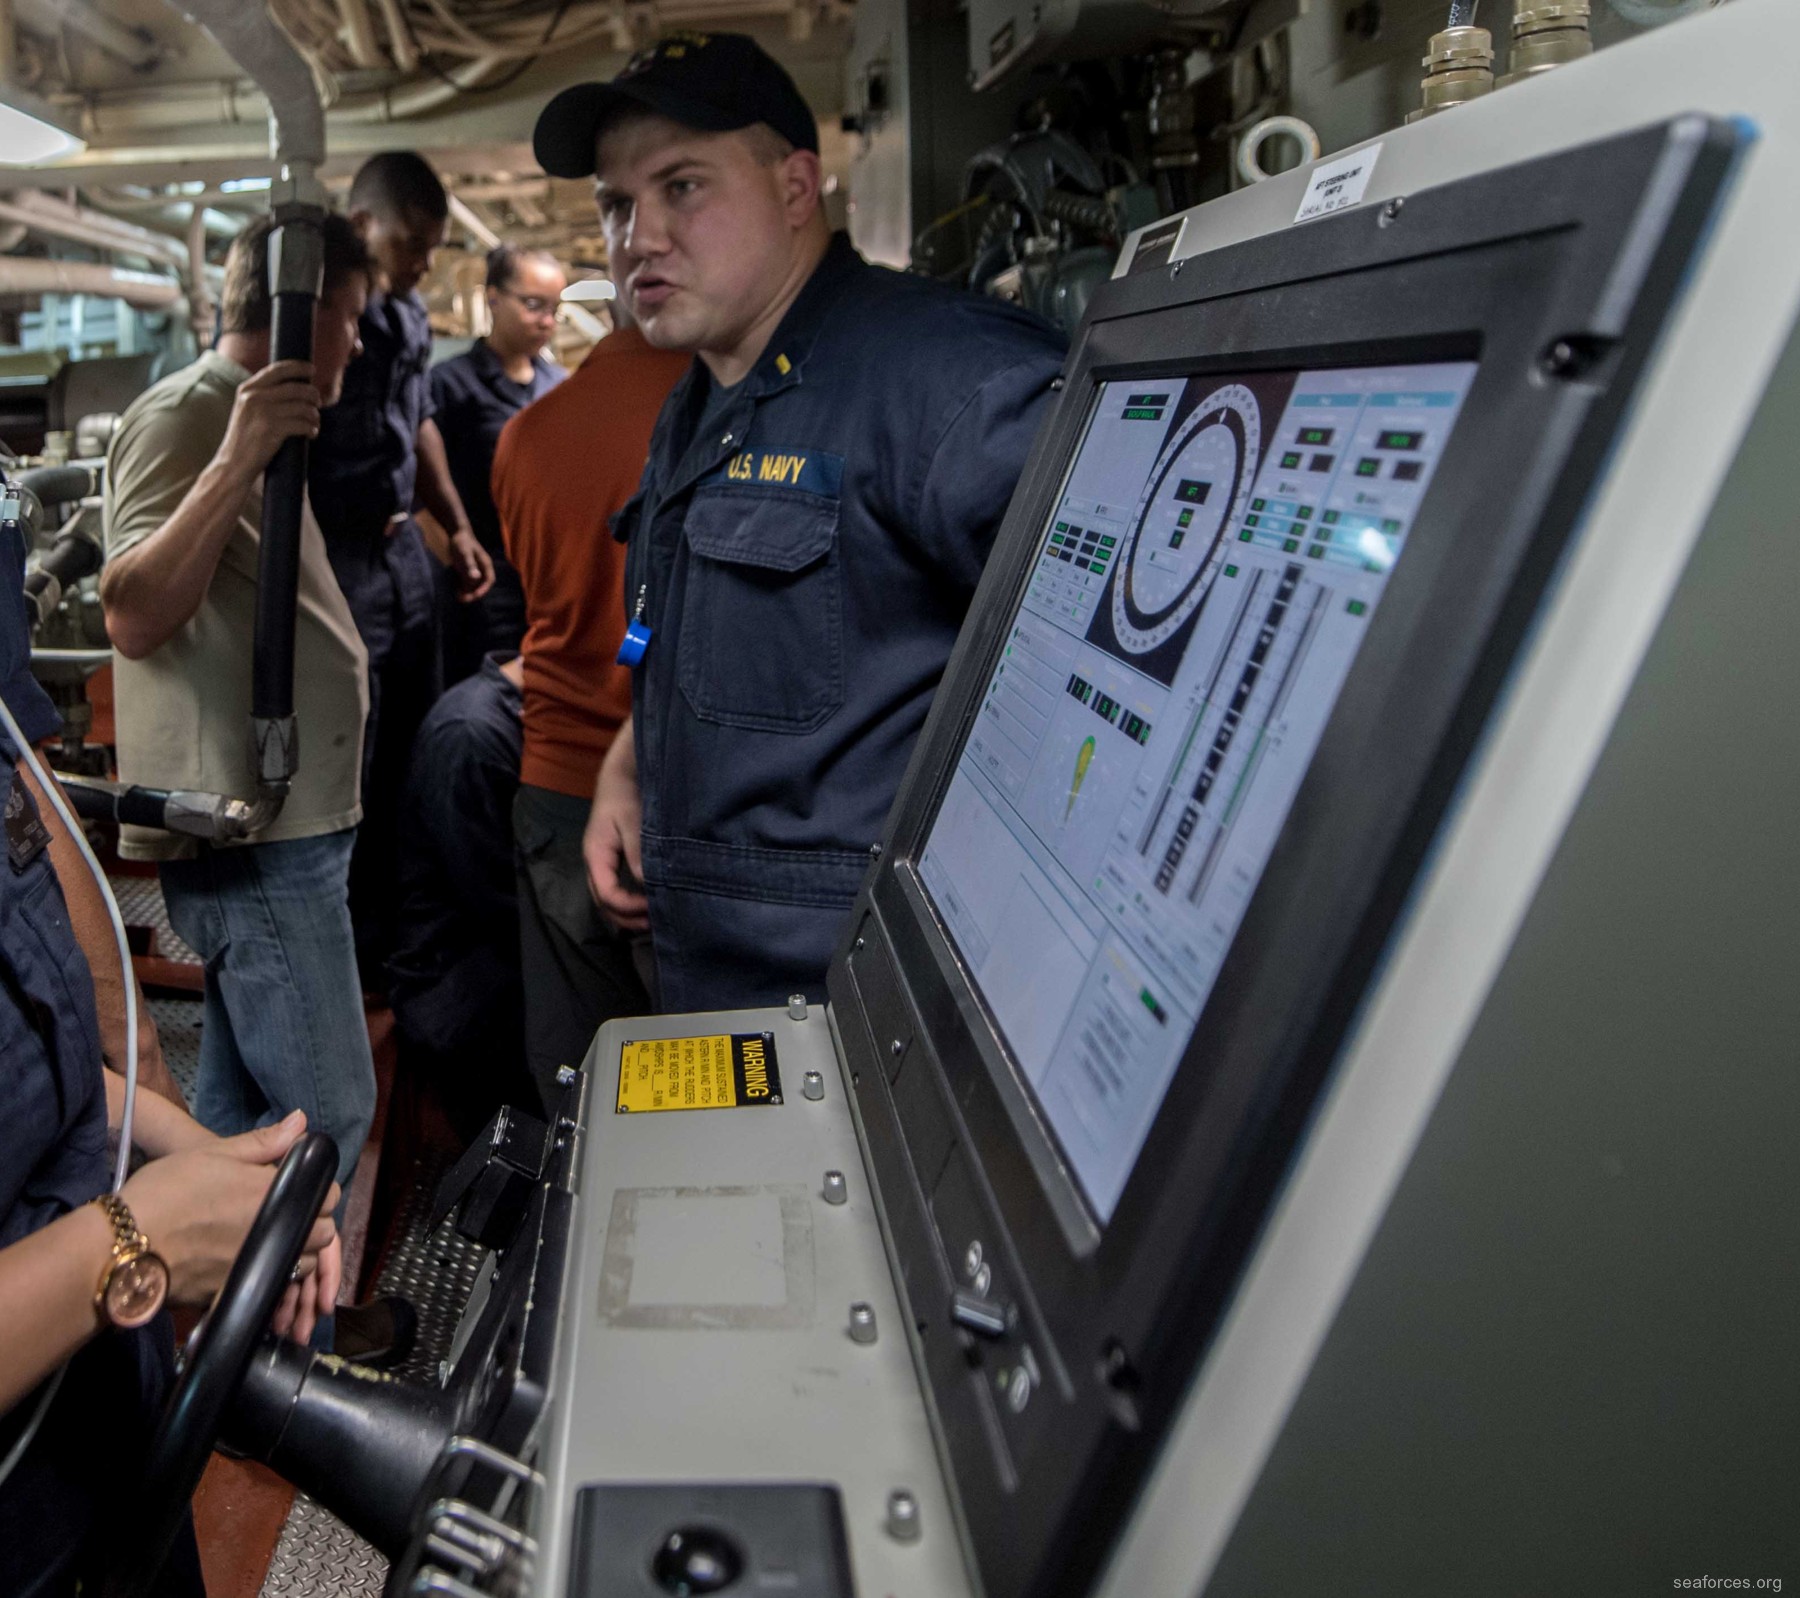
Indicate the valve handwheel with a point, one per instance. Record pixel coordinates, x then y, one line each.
218 1354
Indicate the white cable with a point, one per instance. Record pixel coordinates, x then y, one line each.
54 794
29 1435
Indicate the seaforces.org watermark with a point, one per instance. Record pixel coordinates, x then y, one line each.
1729 1583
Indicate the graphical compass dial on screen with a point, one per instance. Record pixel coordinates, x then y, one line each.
1206 580
1198 489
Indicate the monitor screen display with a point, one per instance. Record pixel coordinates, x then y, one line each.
1201 589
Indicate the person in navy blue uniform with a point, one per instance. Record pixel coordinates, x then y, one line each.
194 1201
822 492
378 454
454 977
475 394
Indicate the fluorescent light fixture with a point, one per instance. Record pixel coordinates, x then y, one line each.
27 140
590 289
243 185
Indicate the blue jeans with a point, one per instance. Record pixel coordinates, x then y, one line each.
283 1026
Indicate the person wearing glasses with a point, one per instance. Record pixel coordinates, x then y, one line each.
475 395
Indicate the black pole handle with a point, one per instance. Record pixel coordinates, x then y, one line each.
284 501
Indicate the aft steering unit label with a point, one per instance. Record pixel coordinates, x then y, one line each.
727 1071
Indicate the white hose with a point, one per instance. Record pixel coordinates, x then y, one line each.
54 794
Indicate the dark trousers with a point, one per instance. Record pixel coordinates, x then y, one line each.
493 624
580 971
63 1508
404 683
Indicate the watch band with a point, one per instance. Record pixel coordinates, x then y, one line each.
128 1241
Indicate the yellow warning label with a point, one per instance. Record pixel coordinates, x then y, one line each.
727 1071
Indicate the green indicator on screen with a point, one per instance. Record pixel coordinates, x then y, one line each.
1083 758
1356 607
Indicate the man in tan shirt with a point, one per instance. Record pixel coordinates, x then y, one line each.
284 1025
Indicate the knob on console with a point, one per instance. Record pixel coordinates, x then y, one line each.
695 1560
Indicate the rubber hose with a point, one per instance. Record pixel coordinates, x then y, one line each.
60 485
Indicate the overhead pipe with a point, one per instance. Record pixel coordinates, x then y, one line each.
144 290
359 33
104 117
400 39
79 225
200 304
130 45
248 34
471 223
126 202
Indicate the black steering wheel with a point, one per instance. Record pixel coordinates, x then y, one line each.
218 1354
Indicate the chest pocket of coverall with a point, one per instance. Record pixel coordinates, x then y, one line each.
762 635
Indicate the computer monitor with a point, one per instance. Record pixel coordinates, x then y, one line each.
1257 596
1211 567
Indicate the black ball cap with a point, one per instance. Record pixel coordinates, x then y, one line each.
712 81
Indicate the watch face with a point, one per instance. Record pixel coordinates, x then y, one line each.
136 1291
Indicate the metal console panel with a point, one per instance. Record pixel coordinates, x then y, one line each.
706 1329
1665 512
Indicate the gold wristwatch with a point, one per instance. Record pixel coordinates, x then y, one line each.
136 1281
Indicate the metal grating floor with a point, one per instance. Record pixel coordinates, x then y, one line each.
178 1025
141 904
317 1554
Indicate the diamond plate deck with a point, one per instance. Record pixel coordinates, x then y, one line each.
178 1025
141 904
317 1554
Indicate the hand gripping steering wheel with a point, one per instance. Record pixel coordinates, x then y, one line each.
218 1354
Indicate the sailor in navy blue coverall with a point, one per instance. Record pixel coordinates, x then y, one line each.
806 562
378 454
822 492
54 1159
